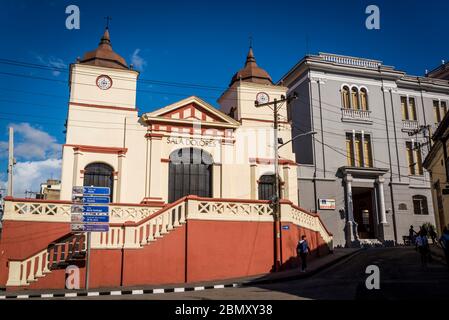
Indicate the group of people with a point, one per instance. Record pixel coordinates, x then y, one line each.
420 239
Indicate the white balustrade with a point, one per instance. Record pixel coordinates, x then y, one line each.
358 115
352 61
136 235
410 125
29 210
22 273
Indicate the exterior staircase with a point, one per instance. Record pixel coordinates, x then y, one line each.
370 243
71 249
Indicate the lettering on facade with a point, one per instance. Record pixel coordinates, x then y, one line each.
193 142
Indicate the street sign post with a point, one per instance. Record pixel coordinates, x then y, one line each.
90 213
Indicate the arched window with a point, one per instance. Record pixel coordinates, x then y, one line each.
345 97
266 187
190 173
364 99
420 205
355 98
99 174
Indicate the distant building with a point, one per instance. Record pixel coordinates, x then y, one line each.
437 162
442 72
50 190
362 171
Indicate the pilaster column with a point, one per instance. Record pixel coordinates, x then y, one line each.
76 155
253 182
121 158
154 159
286 195
380 190
351 225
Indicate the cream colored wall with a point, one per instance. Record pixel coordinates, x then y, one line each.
84 88
105 127
439 175
142 171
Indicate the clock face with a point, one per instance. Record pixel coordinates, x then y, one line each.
262 97
104 82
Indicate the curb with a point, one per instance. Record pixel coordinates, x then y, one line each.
118 292
302 275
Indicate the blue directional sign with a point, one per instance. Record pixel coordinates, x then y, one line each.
95 219
95 209
96 191
285 227
90 227
96 200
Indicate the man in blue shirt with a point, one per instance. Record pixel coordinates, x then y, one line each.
303 250
444 241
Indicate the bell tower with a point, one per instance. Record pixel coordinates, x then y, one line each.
102 115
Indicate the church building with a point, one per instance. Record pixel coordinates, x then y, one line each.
186 148
191 187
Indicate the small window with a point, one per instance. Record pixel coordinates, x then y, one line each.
420 205
364 99
412 107
404 108
355 99
436 110
345 97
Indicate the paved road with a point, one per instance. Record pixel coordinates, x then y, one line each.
401 277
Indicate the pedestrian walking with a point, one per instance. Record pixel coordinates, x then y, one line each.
411 235
303 250
433 235
422 245
444 241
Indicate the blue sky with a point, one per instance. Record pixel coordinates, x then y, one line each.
194 42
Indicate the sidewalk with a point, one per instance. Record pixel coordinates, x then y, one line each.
315 266
437 252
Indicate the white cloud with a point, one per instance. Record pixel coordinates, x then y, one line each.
29 175
54 62
138 61
32 143
38 155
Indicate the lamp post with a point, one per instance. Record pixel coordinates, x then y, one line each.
277 104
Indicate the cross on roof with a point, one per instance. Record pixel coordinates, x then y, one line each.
108 18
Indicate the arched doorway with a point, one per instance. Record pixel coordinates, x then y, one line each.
99 175
266 187
190 173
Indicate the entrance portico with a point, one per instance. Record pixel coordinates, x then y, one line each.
364 204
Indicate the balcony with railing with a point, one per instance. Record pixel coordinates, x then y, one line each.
355 115
410 125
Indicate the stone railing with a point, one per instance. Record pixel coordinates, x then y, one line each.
60 253
410 125
230 209
302 218
59 211
22 273
351 61
356 115
135 235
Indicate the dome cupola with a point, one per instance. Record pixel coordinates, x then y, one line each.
251 72
104 56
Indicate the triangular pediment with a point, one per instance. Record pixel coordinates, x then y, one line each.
191 110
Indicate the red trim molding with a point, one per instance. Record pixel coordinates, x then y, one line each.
154 136
266 121
97 149
88 105
271 161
